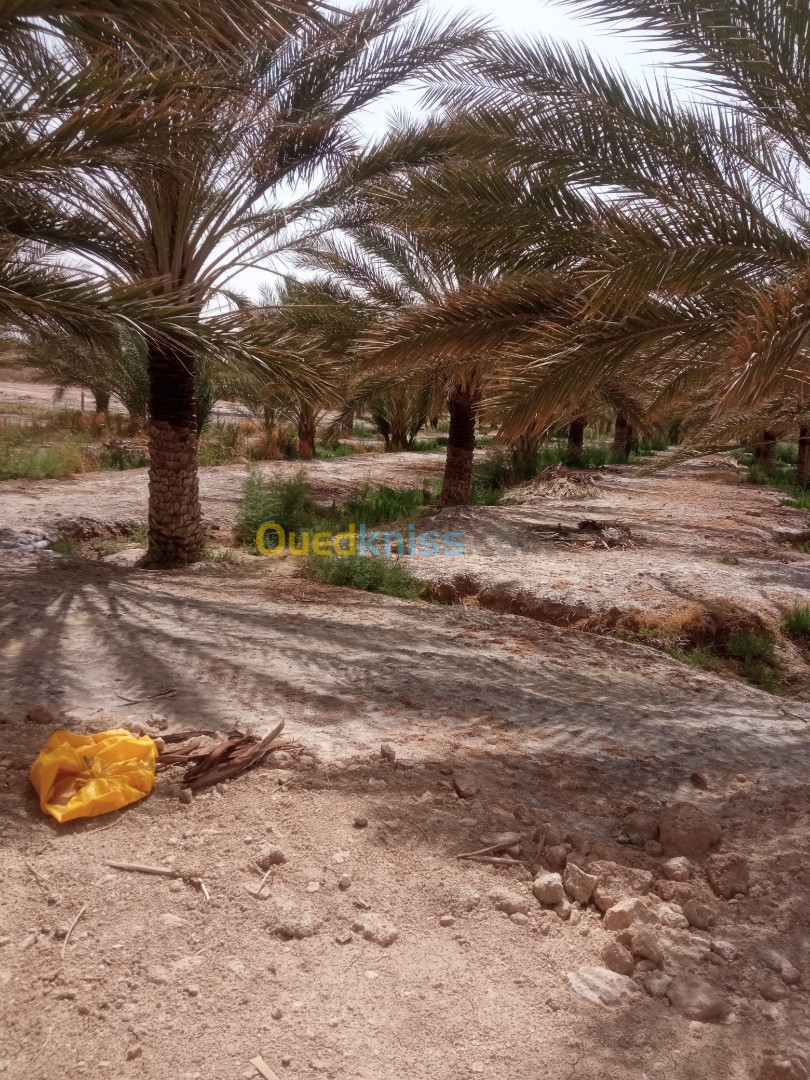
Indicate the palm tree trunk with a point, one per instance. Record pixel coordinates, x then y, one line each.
765 450
803 461
621 436
175 522
102 400
458 469
576 440
307 430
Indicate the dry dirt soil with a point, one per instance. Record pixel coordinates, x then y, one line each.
579 743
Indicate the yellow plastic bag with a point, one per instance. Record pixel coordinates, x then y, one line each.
86 775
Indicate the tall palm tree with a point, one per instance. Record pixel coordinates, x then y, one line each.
700 211
243 155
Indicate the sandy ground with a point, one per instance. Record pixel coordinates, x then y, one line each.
694 538
121 496
548 726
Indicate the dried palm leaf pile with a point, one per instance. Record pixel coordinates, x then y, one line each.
218 760
560 482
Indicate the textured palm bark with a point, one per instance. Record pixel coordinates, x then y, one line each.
765 450
307 432
458 469
803 462
175 521
622 435
576 440
102 400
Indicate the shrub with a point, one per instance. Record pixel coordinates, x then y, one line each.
40 463
381 505
288 503
797 621
747 646
372 573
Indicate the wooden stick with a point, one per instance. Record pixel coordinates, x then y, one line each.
139 868
257 892
47 1040
40 881
70 930
491 850
495 862
261 1066
169 692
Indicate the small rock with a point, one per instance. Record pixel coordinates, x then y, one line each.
602 986
653 849
617 958
563 910
656 983
286 1060
642 825
40 714
290 917
176 886
675 920
577 884
781 1068
379 930
276 1013
376 784
313 886
446 768
775 961
186 796
699 780
192 989
699 914
548 888
510 902
171 920
465 785
157 975
724 949
727 874
519 918
695 999
270 855
766 1009
446 920
616 882
677 869
388 752
539 836
627 912
344 939
645 944
686 830
553 836
556 856
772 988
344 881
360 822
134 1052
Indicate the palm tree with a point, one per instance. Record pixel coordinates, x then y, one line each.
243 155
700 213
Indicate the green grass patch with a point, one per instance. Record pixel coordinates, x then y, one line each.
372 573
383 505
287 503
40 463
803 546
797 621
325 451
747 646
699 656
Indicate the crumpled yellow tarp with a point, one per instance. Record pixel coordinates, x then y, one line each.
86 775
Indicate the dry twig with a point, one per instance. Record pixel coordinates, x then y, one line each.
168 692
70 929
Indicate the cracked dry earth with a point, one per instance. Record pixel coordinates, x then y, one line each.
581 745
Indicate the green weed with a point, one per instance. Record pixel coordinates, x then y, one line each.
287 503
372 573
797 621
